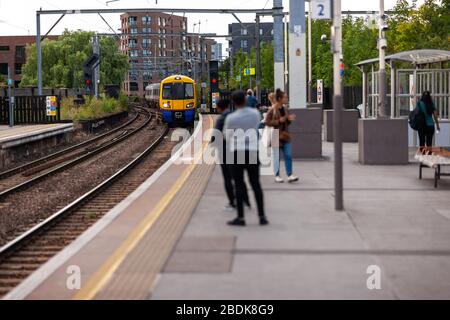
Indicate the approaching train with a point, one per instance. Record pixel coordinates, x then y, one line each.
176 97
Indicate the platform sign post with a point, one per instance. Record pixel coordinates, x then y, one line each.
52 105
10 99
215 97
249 71
320 91
321 9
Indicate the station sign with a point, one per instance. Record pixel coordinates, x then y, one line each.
238 78
249 71
215 97
321 9
51 106
320 91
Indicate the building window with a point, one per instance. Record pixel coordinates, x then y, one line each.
146 53
159 21
133 31
17 68
134 53
132 21
134 86
146 20
132 43
4 69
146 42
134 76
4 48
243 32
146 75
261 32
146 30
244 43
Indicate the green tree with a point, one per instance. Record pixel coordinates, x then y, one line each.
419 27
242 60
63 59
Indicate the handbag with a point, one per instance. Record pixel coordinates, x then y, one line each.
266 138
284 136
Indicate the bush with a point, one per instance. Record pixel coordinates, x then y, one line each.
93 108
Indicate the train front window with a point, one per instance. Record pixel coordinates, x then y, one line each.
178 91
189 91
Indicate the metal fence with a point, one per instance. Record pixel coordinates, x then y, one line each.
408 86
29 110
26 92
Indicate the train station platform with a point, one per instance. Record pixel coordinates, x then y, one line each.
392 220
18 135
24 140
169 240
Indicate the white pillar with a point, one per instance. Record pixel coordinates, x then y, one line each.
297 54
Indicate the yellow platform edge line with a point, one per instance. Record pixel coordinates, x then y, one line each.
106 271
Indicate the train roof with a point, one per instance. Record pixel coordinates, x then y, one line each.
153 85
178 77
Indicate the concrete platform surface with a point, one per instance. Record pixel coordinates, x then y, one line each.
393 221
22 134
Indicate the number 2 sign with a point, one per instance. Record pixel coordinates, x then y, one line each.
321 9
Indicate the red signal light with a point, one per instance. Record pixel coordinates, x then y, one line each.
214 81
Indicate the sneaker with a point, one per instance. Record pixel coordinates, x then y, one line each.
279 179
292 179
263 221
237 222
229 207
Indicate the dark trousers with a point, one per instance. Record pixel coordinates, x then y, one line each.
229 187
426 136
253 176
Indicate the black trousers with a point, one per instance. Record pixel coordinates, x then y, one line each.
426 136
253 173
229 186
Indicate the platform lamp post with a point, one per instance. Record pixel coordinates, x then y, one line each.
338 72
382 45
10 99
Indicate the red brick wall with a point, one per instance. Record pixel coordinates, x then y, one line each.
10 57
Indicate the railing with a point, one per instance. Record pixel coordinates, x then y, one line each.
28 110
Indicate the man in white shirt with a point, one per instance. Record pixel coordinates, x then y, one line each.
241 131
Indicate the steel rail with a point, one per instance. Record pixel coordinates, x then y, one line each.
77 160
24 238
29 165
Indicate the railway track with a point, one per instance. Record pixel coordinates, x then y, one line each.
25 176
26 253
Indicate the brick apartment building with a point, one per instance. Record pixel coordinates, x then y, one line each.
157 48
13 55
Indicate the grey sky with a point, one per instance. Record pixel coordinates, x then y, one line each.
17 17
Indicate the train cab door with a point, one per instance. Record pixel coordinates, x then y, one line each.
189 102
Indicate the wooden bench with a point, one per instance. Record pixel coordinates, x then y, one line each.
434 158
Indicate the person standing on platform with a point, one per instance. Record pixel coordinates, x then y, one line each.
241 131
279 118
252 102
223 108
427 107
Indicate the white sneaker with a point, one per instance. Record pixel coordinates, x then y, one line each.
292 179
279 179
229 207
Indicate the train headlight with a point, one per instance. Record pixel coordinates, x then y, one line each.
190 105
166 105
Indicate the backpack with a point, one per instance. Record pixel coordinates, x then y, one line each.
417 119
